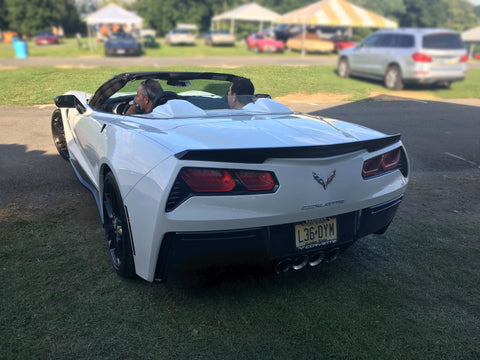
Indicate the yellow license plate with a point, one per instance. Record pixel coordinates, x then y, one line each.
315 233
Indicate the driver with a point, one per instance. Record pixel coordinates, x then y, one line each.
146 93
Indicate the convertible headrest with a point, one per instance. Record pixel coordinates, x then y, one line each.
163 97
178 109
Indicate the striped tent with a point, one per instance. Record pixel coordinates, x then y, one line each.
335 13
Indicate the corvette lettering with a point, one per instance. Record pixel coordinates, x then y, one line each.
321 205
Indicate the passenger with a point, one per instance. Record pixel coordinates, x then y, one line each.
240 93
146 93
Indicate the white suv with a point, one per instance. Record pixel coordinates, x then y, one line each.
426 56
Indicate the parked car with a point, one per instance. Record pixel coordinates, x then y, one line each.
424 56
264 41
310 42
121 43
284 31
180 37
197 182
341 42
46 38
219 37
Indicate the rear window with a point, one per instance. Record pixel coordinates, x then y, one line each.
443 41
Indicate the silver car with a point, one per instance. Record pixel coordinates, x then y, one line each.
425 56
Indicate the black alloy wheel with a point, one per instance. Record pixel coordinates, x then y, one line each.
117 233
58 134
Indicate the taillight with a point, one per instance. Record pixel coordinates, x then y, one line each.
419 57
382 163
208 180
391 159
464 58
256 180
371 166
193 181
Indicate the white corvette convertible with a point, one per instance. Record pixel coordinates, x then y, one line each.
196 181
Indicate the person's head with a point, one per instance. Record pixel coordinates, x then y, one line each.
146 93
240 92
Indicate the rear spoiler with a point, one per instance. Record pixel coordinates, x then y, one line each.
259 155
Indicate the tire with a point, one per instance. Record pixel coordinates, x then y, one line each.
117 234
343 68
58 135
393 78
444 84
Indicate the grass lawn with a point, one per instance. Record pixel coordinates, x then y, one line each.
40 85
71 48
409 294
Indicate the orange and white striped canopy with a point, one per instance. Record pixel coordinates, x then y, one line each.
336 13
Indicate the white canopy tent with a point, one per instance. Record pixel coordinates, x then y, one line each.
249 12
471 37
112 14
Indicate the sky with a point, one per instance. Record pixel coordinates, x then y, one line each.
475 2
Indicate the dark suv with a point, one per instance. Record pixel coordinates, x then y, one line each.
427 56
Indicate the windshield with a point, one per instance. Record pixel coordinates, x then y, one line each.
121 36
443 41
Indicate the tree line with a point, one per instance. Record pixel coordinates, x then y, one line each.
31 16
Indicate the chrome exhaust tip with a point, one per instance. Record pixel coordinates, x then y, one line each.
283 266
300 262
333 255
316 258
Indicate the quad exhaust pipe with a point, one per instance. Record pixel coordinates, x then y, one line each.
312 259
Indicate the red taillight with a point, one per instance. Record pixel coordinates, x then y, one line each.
386 162
464 58
371 166
256 180
419 57
391 159
208 180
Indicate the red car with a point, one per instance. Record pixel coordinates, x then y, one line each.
264 42
341 43
45 38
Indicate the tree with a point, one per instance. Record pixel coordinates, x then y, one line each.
461 15
31 16
424 13
389 8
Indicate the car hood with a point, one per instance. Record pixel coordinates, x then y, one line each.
251 132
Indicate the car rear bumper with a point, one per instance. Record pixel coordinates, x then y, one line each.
268 245
435 75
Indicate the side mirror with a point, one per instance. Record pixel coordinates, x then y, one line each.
69 101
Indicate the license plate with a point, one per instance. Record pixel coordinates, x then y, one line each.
315 233
120 51
449 61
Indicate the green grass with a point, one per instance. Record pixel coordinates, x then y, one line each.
39 85
71 49
410 294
